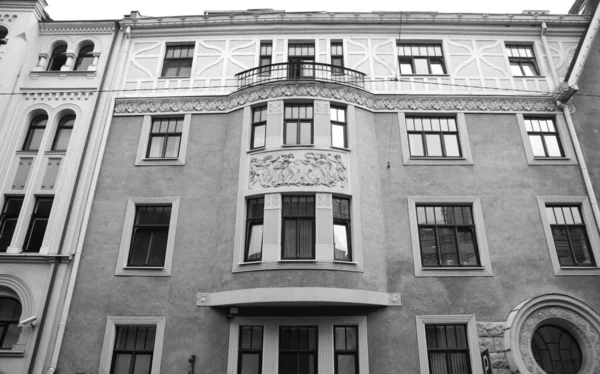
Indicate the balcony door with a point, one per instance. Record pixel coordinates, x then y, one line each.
301 58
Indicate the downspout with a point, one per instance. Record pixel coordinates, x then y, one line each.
77 256
548 55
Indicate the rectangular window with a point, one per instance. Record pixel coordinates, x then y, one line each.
298 225
346 349
341 229
447 236
259 127
301 57
421 59
37 226
266 55
149 237
337 57
254 229
178 61
543 137
250 351
433 137
570 235
165 138
133 350
338 127
8 220
522 60
298 349
448 349
298 127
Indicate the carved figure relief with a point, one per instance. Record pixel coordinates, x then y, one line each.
309 169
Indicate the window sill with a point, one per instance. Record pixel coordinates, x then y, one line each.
11 353
255 150
349 263
308 260
438 161
297 145
424 75
554 161
165 78
297 265
62 74
133 271
341 149
470 271
160 162
528 76
29 153
577 271
56 152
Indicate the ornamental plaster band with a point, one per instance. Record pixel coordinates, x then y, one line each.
349 95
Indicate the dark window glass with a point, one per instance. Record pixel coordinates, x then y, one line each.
254 229
447 236
346 349
63 133
150 234
10 312
522 60
3 34
259 127
298 124
341 229
421 59
448 349
165 138
298 238
570 236
337 57
58 58
85 58
338 127
298 349
301 57
8 220
33 139
134 349
37 226
556 351
266 52
250 351
178 61
543 136
433 137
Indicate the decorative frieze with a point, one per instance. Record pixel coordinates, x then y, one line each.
55 96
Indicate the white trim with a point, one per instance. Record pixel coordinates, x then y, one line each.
485 270
563 135
588 219
140 158
473 339
109 340
124 247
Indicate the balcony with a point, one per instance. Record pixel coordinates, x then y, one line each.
300 71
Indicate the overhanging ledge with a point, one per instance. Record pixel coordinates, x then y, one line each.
298 296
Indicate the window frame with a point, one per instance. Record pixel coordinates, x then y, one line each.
85 52
485 267
423 134
339 68
298 351
297 219
347 222
61 126
253 125
566 227
521 60
35 217
54 56
144 142
179 59
411 58
4 217
261 57
345 352
165 135
251 350
296 69
343 124
297 121
8 323
250 223
560 125
146 228
122 267
31 128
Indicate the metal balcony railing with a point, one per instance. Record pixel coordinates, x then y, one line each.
300 71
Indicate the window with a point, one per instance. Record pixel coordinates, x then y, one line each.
63 133
33 140
165 138
298 350
37 226
570 235
150 234
337 57
421 59
339 138
298 128
178 61
543 137
298 226
555 350
254 229
301 57
522 60
85 58
58 58
259 127
10 312
250 352
345 349
8 220
433 137
341 229
265 59
3 34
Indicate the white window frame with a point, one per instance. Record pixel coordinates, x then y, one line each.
472 336
565 140
110 335
485 270
270 358
590 227
463 136
125 246
142 160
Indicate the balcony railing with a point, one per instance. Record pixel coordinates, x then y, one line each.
300 71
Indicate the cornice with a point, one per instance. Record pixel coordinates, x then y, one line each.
366 100
76 28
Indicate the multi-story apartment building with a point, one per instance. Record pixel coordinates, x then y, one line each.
271 192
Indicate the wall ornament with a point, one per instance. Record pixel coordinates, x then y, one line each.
272 201
54 96
324 201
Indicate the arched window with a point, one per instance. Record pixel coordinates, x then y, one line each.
33 139
63 133
58 58
10 312
3 33
555 350
85 58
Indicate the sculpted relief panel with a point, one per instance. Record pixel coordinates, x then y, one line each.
298 169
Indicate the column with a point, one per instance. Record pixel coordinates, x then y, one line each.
324 225
322 130
42 62
272 228
274 124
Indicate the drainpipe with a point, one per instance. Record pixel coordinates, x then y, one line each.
548 55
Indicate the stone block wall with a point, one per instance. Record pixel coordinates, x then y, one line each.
491 336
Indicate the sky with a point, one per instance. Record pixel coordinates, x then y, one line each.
115 9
